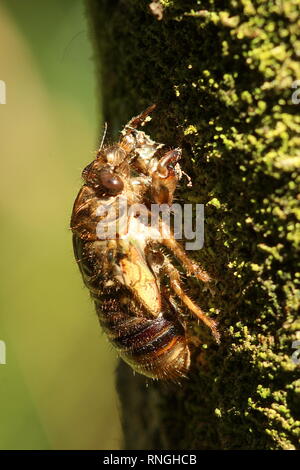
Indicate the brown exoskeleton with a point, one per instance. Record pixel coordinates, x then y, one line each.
131 280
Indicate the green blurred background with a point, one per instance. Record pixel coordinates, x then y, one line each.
57 388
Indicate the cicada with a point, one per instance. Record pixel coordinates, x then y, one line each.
126 262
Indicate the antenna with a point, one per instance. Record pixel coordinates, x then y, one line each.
103 136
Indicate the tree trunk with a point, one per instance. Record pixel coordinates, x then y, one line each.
222 80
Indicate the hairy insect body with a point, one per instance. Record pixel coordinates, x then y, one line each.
125 273
130 306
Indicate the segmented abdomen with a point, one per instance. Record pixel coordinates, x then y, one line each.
155 347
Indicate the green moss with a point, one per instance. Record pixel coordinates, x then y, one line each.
222 81
214 202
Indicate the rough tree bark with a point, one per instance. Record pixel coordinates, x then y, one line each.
221 74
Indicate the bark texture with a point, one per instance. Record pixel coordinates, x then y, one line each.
221 74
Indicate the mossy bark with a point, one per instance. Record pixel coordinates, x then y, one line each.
221 74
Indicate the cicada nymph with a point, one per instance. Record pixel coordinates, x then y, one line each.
137 290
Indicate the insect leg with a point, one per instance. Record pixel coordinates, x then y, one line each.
192 268
164 178
175 283
138 120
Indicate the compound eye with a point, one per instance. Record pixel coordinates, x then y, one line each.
111 182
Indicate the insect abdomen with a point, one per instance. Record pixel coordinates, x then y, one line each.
156 347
